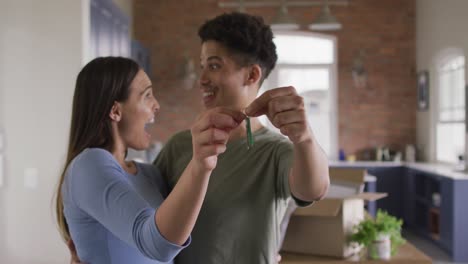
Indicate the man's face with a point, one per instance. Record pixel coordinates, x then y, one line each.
222 81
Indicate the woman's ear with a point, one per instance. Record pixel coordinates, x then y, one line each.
254 74
116 112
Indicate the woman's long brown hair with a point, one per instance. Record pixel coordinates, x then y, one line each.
99 84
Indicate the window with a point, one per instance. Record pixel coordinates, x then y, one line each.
450 139
109 30
307 62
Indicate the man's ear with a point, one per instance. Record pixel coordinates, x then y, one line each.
254 74
116 112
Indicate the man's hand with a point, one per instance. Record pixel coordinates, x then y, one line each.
285 109
210 134
74 255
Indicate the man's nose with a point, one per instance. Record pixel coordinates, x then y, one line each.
204 80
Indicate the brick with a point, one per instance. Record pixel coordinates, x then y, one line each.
382 113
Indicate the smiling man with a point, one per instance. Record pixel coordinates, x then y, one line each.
249 189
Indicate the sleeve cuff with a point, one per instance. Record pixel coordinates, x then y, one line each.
168 247
169 244
300 202
160 248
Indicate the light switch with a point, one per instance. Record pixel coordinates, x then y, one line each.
1 169
31 176
1 140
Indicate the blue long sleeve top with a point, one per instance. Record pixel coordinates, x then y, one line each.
110 213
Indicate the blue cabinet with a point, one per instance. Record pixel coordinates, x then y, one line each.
454 198
431 205
390 180
424 213
437 208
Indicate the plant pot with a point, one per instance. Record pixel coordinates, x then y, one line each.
380 248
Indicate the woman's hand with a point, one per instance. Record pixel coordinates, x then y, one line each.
210 134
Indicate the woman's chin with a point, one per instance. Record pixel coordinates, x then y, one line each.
140 146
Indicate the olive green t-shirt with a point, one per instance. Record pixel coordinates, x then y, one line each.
247 197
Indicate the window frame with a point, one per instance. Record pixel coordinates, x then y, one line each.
333 82
446 57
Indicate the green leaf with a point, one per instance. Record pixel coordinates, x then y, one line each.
368 230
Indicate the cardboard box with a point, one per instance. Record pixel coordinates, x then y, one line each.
346 182
324 228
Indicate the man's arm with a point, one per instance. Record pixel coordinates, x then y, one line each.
308 178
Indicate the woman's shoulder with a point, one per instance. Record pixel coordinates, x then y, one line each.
94 153
92 167
94 157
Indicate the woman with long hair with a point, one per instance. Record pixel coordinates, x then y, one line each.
118 211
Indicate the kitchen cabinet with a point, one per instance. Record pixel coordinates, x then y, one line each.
431 199
436 207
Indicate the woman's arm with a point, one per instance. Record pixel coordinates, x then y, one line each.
98 186
210 133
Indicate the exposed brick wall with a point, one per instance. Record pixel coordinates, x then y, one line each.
382 113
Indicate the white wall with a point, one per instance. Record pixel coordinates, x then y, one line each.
2 208
440 25
41 53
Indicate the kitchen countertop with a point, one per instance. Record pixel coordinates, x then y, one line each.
439 169
407 253
365 164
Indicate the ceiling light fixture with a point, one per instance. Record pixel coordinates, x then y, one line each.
241 8
325 21
282 20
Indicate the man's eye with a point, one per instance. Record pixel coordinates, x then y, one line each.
214 66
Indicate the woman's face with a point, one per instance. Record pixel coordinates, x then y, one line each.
138 113
222 80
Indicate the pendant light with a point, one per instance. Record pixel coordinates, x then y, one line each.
282 20
325 20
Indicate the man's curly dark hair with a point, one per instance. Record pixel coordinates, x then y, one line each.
246 36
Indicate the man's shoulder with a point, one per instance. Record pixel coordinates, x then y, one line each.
274 139
180 137
181 142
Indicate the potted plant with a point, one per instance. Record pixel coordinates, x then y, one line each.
381 236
